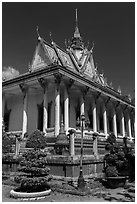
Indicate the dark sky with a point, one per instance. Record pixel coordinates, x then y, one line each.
110 25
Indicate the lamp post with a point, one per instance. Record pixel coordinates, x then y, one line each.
81 182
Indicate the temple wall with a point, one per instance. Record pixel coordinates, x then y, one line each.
72 118
15 104
33 101
32 112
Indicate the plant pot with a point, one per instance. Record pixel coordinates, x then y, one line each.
16 194
115 182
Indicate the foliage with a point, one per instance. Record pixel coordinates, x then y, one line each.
34 165
111 139
111 171
7 143
116 163
33 184
36 140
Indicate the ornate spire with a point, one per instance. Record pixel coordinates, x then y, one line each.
76 33
77 42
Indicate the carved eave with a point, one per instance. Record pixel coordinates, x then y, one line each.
54 69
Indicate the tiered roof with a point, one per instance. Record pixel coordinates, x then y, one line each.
76 57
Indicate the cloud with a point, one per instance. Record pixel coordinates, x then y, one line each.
9 73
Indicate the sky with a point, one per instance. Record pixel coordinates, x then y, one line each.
110 25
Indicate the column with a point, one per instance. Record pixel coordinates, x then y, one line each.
105 121
44 84
129 128
24 125
94 117
114 123
123 125
66 109
45 109
57 109
82 111
24 90
95 140
3 105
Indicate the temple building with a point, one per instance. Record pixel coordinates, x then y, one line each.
59 87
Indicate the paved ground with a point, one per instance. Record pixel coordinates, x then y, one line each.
63 191
53 197
126 194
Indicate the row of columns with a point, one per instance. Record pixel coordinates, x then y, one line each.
44 85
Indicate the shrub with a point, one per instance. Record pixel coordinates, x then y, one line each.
111 138
6 143
36 140
111 171
34 165
116 163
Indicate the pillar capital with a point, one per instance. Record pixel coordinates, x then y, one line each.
116 105
43 83
69 84
124 109
96 96
84 92
107 101
57 78
23 87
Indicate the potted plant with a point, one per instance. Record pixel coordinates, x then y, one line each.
115 163
34 171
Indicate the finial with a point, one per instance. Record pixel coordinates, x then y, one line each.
102 72
29 65
76 33
76 18
37 30
129 97
111 85
92 46
119 90
96 65
87 44
66 43
51 38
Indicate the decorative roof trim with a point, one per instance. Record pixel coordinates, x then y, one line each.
73 60
86 61
58 54
69 73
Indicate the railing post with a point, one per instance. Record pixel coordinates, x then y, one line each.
72 142
95 145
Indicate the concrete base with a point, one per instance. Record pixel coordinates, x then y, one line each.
67 166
